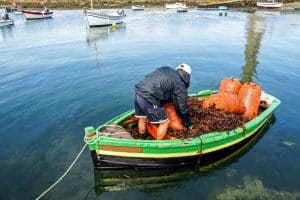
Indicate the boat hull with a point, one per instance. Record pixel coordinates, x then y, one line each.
18 12
116 153
182 9
174 6
31 15
222 8
115 162
137 8
95 19
6 22
267 5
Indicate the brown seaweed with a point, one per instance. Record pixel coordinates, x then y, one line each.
204 121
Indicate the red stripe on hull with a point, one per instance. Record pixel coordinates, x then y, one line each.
36 12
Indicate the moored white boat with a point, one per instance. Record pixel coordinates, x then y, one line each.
270 5
6 22
137 7
174 6
182 8
37 14
99 18
222 8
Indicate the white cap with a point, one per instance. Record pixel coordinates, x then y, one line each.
185 67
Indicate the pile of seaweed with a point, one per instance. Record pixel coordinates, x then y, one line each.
133 130
204 121
208 120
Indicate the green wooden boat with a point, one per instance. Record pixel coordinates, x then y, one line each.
297 9
110 180
110 152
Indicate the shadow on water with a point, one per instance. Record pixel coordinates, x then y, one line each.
38 21
256 30
154 180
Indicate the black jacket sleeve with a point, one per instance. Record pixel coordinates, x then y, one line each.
179 99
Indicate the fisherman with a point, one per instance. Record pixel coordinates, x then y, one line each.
121 12
163 85
46 9
5 16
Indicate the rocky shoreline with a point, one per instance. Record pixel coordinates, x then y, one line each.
71 4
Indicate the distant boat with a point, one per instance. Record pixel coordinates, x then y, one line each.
297 9
137 7
10 9
269 5
174 6
36 14
222 8
5 20
99 18
182 8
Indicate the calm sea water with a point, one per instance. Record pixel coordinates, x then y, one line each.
57 77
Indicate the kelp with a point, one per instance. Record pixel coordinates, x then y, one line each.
204 121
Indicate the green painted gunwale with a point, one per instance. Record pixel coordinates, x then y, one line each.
182 147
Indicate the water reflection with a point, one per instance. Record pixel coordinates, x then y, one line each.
153 180
95 33
38 21
255 31
5 33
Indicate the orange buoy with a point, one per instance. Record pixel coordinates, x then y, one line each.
249 95
224 101
230 85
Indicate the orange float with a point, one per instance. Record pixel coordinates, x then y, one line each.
225 101
249 94
230 85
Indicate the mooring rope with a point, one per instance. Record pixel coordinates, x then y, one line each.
66 172
87 142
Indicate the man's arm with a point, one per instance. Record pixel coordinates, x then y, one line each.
179 99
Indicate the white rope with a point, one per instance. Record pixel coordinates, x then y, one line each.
66 172
75 160
90 141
